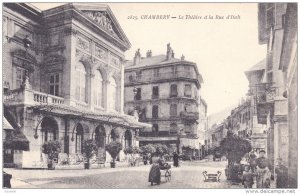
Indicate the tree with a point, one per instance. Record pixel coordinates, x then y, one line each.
113 148
132 150
147 149
52 149
161 149
234 147
89 149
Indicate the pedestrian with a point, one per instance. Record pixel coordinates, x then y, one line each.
252 161
247 177
175 159
263 179
154 174
282 175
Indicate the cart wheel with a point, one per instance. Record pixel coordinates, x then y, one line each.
168 176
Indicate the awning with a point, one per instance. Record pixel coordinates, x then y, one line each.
14 138
6 125
17 141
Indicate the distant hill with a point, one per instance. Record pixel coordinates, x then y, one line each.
218 117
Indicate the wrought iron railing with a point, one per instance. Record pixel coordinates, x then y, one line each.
161 76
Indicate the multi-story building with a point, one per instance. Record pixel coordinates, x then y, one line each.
63 79
257 131
277 103
167 96
215 135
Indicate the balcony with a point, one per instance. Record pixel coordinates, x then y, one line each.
189 116
162 76
157 136
264 98
30 97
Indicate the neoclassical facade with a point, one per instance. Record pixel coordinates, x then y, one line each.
63 78
166 93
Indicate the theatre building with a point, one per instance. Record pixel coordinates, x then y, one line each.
63 80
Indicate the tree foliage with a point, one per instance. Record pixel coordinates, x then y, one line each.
52 149
147 149
161 149
132 150
89 148
113 148
234 147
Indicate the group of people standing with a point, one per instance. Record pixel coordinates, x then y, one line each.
260 168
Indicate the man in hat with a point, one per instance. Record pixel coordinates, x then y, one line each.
263 179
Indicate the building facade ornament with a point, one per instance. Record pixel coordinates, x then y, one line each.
102 19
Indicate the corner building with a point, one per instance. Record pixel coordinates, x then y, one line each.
167 96
68 85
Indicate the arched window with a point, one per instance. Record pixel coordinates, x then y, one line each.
113 93
98 89
49 129
79 139
128 139
80 82
100 136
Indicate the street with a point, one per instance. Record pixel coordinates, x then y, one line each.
188 175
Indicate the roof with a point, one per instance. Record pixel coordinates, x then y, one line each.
261 65
154 60
106 117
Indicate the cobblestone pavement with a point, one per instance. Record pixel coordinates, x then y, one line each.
189 175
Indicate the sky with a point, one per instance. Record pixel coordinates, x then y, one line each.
222 48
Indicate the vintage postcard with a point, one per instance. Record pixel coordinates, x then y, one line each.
150 96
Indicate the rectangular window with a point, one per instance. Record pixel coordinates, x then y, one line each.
173 110
155 92
20 76
54 84
78 143
138 95
155 112
174 70
187 90
187 68
173 92
138 75
156 72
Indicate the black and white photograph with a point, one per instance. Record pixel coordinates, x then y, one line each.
132 95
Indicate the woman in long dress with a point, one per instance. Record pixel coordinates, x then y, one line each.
154 174
175 159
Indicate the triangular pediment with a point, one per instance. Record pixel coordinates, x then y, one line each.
102 19
102 16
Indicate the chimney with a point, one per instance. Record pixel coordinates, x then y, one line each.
149 53
170 53
137 57
182 57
